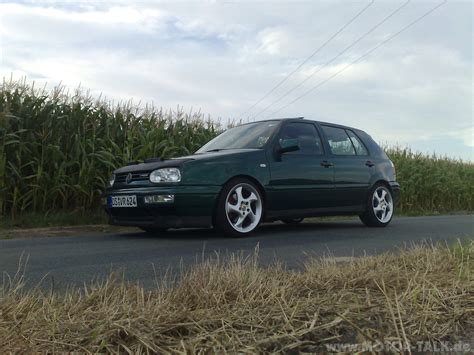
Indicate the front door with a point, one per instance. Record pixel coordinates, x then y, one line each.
300 181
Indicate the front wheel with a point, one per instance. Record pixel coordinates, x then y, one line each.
380 207
239 208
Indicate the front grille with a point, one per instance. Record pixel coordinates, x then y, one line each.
138 176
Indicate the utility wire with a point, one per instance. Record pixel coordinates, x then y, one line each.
307 59
361 57
393 13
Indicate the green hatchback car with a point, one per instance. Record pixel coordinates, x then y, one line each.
265 171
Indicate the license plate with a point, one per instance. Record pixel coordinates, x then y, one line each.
123 201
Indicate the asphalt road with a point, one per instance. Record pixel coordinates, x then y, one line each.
62 261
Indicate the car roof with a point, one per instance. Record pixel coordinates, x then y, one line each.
297 119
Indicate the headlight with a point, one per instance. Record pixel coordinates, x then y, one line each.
165 175
112 180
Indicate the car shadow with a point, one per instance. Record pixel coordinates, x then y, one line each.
273 230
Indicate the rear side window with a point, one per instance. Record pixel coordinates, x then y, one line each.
339 141
307 135
358 145
372 146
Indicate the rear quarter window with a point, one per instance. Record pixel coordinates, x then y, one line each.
359 146
372 146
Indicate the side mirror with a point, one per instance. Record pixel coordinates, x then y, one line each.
289 145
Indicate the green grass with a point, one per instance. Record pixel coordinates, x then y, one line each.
57 150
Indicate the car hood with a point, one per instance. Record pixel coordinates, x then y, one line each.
179 161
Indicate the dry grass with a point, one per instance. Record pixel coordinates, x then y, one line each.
424 293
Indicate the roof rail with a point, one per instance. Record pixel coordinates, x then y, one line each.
289 118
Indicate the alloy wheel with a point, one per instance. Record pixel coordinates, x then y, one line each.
382 204
243 207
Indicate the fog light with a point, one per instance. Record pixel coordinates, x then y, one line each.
159 199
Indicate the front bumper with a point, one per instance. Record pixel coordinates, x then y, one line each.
193 206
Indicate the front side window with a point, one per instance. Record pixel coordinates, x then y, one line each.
307 136
338 141
248 136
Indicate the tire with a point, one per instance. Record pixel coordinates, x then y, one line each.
380 207
239 209
292 221
154 230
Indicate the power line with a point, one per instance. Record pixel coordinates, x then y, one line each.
308 59
360 58
393 13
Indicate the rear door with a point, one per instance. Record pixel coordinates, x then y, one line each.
299 182
353 168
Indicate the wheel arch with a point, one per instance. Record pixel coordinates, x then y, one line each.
383 182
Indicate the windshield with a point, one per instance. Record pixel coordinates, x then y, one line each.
253 135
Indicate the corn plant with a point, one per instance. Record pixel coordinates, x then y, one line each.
433 183
57 150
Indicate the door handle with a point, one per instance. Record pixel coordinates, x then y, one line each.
369 163
326 164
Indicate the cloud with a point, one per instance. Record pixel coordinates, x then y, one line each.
143 19
222 57
273 41
466 135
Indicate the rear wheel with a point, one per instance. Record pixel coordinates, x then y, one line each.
239 208
292 221
380 207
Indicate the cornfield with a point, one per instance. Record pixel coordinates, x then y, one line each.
57 150
432 184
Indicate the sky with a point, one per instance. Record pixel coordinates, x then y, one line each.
222 57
